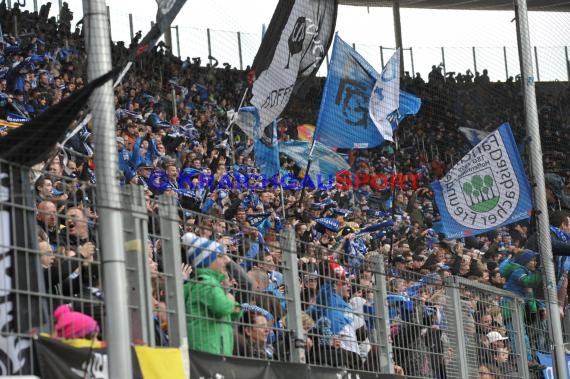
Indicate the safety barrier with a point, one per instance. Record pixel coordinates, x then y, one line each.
298 302
49 257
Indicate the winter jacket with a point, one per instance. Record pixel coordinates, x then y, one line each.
522 282
209 313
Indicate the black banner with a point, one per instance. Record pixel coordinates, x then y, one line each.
292 50
20 271
167 12
209 366
60 361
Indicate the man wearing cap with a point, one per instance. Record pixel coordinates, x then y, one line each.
210 308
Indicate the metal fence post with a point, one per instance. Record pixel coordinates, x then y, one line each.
506 64
291 278
239 51
35 5
383 320
131 28
474 60
178 41
382 56
110 220
412 62
443 60
209 45
172 262
518 327
567 62
135 220
457 316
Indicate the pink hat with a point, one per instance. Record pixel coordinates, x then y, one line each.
71 324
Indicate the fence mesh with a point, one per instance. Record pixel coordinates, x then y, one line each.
355 278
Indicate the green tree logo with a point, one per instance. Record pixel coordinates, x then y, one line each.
479 192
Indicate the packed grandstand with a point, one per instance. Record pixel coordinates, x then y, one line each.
173 115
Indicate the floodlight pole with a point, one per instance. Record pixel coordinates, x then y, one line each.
539 191
110 226
398 32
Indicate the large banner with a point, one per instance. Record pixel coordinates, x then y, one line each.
352 85
19 272
292 50
486 189
167 12
203 365
58 360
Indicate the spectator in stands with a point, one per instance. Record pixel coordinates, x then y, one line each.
254 330
47 257
210 92
71 324
560 241
47 221
487 372
45 191
283 344
333 310
263 297
523 280
210 309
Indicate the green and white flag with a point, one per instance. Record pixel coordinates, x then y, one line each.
486 189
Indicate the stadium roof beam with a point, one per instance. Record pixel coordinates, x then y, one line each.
490 5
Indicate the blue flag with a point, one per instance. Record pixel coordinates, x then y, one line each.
487 189
265 147
344 119
325 162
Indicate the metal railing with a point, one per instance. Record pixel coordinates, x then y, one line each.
297 301
50 258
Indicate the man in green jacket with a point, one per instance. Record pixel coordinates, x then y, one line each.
210 308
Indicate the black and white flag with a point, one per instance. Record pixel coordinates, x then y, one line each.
167 12
295 44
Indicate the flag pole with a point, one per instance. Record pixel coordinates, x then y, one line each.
282 198
309 160
230 130
113 261
393 207
539 190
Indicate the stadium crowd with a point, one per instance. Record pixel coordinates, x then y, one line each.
171 115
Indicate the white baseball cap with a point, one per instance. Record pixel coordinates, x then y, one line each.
496 336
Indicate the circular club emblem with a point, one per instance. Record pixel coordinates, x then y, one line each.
482 191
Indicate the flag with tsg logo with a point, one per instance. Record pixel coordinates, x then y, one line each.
486 189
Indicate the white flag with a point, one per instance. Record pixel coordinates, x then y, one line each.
385 98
